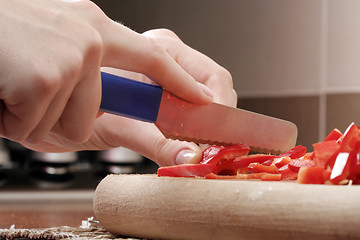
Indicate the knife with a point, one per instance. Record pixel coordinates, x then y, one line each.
213 124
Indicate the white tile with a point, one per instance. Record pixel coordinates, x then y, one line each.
271 47
344 46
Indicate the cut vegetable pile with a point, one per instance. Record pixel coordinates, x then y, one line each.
336 160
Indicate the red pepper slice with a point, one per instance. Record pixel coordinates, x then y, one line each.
334 135
347 143
250 176
311 175
280 162
296 164
244 161
187 170
350 138
210 152
341 169
258 168
295 152
271 177
216 176
324 151
227 153
286 173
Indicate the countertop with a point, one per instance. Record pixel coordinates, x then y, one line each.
45 209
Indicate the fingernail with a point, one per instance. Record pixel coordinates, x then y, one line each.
184 156
206 90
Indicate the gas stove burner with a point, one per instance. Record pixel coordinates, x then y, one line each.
120 169
67 157
120 155
55 182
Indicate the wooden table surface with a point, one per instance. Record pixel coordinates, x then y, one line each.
44 209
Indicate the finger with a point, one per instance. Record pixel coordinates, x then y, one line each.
131 51
82 108
24 104
145 139
217 78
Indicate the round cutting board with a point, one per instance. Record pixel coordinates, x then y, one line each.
154 207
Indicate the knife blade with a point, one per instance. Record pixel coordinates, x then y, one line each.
213 124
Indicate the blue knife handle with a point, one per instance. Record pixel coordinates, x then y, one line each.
129 98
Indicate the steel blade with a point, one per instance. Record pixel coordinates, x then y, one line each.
222 125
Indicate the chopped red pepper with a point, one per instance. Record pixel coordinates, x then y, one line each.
333 160
295 152
216 176
280 162
244 161
311 175
271 177
296 164
287 174
227 153
187 170
324 151
341 169
334 135
258 168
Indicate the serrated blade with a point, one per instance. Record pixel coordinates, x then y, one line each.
222 125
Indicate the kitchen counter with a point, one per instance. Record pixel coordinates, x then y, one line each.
45 209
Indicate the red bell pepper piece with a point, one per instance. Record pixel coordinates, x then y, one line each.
295 152
216 176
324 151
341 169
296 164
280 162
250 176
210 152
258 168
347 143
311 175
271 177
227 153
334 135
350 138
287 174
244 161
187 170
355 165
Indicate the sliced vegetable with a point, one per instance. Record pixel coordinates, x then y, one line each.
226 153
210 152
295 152
270 177
324 151
296 164
335 160
258 168
187 170
280 162
244 161
311 175
334 135
341 169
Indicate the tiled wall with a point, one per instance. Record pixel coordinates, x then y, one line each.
294 59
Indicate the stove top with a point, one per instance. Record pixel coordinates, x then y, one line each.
22 169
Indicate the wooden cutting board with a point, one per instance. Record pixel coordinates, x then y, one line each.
147 206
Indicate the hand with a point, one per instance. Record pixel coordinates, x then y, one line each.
112 131
51 52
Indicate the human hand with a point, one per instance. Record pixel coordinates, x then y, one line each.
51 52
113 131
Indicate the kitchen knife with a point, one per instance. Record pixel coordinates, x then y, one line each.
178 119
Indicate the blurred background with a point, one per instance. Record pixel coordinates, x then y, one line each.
296 60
